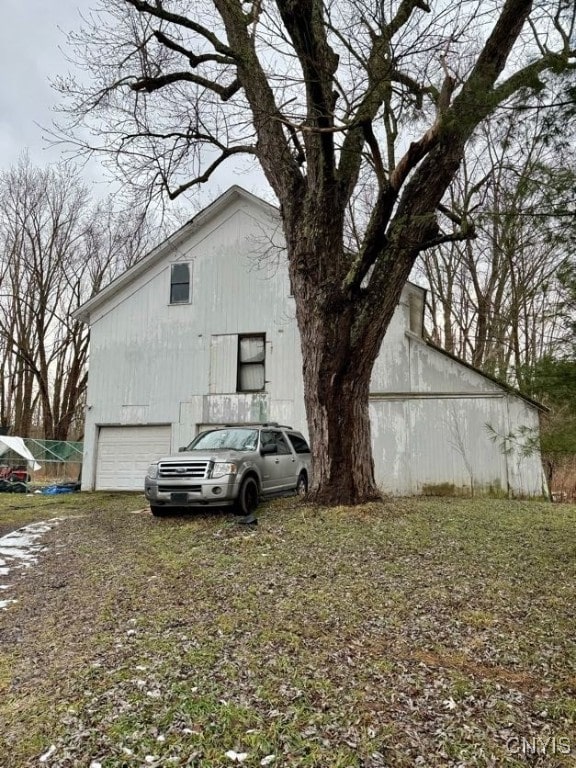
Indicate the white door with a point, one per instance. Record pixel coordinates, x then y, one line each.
124 454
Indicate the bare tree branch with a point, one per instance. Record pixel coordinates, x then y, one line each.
151 84
158 11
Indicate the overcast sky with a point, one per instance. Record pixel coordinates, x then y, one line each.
32 38
32 52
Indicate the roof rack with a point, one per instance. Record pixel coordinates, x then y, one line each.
259 424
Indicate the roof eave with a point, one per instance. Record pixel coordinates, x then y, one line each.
504 385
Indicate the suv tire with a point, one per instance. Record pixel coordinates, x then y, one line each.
158 511
302 484
248 497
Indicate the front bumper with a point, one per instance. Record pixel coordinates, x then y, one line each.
216 493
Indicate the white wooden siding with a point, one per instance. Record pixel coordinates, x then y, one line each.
223 363
431 444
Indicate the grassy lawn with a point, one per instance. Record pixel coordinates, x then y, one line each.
421 632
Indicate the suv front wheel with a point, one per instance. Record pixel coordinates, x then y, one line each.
248 497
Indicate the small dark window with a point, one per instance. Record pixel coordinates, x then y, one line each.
180 284
251 360
298 443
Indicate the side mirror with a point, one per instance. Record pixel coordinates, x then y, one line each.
182 448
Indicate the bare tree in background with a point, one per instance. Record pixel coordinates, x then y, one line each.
56 249
498 300
326 96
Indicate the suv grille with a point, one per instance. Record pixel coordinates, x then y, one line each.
183 469
180 488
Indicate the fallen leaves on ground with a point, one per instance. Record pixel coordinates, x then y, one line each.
421 632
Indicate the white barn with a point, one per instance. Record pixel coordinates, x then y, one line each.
202 332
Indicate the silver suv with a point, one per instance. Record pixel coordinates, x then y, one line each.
230 466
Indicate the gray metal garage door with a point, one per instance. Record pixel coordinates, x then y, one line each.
124 454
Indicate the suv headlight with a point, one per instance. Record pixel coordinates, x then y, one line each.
222 468
152 471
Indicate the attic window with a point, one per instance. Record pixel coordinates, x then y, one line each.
180 283
251 360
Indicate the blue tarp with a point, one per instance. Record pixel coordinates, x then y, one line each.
54 490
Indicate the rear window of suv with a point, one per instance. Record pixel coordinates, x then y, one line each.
298 443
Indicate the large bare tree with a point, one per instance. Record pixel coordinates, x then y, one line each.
56 249
328 97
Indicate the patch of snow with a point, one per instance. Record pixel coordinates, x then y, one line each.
47 755
20 549
23 554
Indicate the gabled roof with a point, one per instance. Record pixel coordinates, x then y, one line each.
157 254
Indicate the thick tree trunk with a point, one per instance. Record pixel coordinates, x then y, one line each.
339 424
336 394
337 364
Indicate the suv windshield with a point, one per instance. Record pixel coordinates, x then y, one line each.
231 439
